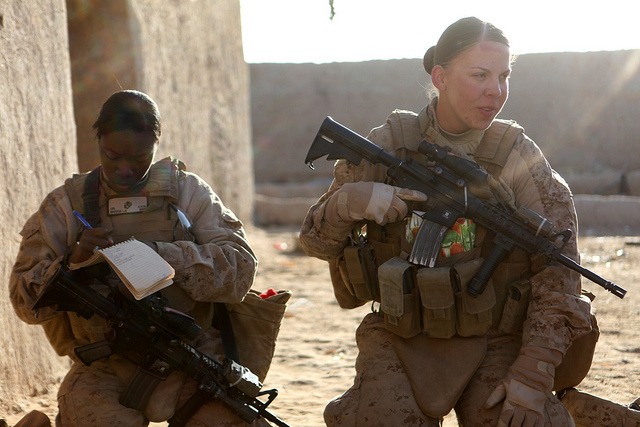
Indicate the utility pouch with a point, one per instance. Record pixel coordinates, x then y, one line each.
436 296
579 356
344 273
256 323
359 267
398 298
474 315
515 307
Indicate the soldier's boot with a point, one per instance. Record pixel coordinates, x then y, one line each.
588 410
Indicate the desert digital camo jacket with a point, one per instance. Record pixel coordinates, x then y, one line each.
557 314
220 267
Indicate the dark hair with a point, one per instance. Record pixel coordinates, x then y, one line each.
458 37
128 110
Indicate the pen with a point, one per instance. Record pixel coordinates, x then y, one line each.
82 220
86 224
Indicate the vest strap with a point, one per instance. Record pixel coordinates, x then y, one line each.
496 145
91 198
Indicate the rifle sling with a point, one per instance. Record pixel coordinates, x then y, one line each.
222 322
91 198
139 389
188 409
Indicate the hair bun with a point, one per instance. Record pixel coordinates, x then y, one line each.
428 60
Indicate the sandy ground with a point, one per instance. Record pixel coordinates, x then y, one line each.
316 350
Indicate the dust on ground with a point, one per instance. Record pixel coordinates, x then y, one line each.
316 350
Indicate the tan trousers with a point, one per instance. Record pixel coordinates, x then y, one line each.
382 396
589 410
89 396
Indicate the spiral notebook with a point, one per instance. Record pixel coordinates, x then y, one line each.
139 267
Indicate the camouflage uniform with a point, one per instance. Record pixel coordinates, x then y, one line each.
588 410
219 268
381 394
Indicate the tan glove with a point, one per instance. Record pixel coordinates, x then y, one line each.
526 387
373 201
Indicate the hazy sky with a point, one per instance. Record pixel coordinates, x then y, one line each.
301 31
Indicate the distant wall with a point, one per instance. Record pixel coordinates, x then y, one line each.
289 102
581 108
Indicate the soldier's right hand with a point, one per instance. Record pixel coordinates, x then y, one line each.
90 241
372 201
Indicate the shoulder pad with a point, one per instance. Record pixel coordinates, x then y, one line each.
498 141
405 129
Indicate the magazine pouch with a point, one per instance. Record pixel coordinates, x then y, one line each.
356 273
398 297
438 303
474 314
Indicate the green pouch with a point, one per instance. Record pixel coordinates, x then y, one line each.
359 276
436 296
474 315
398 299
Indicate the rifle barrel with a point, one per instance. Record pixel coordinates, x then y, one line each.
607 284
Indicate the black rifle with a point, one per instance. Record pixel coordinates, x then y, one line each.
150 334
446 185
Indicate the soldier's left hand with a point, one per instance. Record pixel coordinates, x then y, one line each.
526 388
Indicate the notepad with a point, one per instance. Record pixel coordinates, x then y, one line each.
139 267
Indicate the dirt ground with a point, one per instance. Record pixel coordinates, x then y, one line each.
316 350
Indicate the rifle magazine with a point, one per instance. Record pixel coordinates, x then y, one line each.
426 247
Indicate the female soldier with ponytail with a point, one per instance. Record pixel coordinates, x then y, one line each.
493 358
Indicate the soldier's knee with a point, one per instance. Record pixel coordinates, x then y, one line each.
589 410
340 411
34 419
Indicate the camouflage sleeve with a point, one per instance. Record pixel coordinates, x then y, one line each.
221 265
557 314
317 237
45 239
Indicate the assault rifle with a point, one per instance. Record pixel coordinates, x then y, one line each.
150 334
446 183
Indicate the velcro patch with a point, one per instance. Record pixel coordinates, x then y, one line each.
125 205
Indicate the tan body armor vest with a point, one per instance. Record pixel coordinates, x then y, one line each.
157 223
407 314
432 301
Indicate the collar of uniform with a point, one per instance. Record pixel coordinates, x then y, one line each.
463 144
161 182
